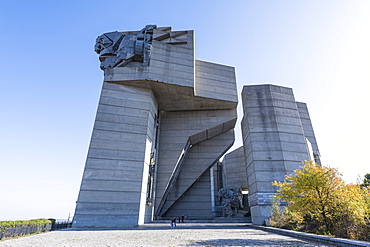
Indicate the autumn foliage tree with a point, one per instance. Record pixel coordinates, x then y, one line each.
366 182
318 200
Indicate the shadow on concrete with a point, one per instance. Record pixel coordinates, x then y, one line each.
167 226
251 242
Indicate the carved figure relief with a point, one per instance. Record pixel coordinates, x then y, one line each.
118 50
232 200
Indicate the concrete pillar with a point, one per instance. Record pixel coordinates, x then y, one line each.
274 142
308 129
114 184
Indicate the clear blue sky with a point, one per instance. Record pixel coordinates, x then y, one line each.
50 79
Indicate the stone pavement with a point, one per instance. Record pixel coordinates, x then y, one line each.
161 234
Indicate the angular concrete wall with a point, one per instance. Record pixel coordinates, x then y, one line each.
195 202
200 158
163 120
308 129
113 187
274 142
210 134
235 169
215 81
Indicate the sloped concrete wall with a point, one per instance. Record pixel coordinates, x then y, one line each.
176 129
113 187
196 202
308 129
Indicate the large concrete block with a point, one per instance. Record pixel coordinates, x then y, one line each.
262 166
111 175
292 138
196 202
119 136
106 154
117 160
119 127
109 209
123 196
104 100
295 155
116 110
259 214
308 128
104 221
122 119
215 81
235 169
89 184
113 164
274 141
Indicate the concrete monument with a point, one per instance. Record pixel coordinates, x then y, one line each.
277 136
163 120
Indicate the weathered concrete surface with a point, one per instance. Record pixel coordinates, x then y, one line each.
113 187
308 129
274 142
235 169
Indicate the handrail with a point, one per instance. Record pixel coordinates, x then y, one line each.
209 167
175 174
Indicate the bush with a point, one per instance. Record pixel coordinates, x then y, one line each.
23 223
319 201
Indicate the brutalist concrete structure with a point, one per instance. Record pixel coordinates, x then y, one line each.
163 120
277 137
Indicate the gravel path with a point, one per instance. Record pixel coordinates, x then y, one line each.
186 234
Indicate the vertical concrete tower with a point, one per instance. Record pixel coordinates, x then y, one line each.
277 137
163 120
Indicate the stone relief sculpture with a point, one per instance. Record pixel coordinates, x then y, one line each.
118 50
232 200
238 196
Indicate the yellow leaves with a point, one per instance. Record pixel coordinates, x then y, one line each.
319 191
311 188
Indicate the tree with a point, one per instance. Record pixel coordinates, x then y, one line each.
366 182
350 215
318 198
312 190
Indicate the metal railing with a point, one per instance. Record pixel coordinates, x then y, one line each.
173 178
61 225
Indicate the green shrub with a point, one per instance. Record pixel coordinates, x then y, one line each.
23 223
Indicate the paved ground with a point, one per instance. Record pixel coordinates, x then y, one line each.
185 234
